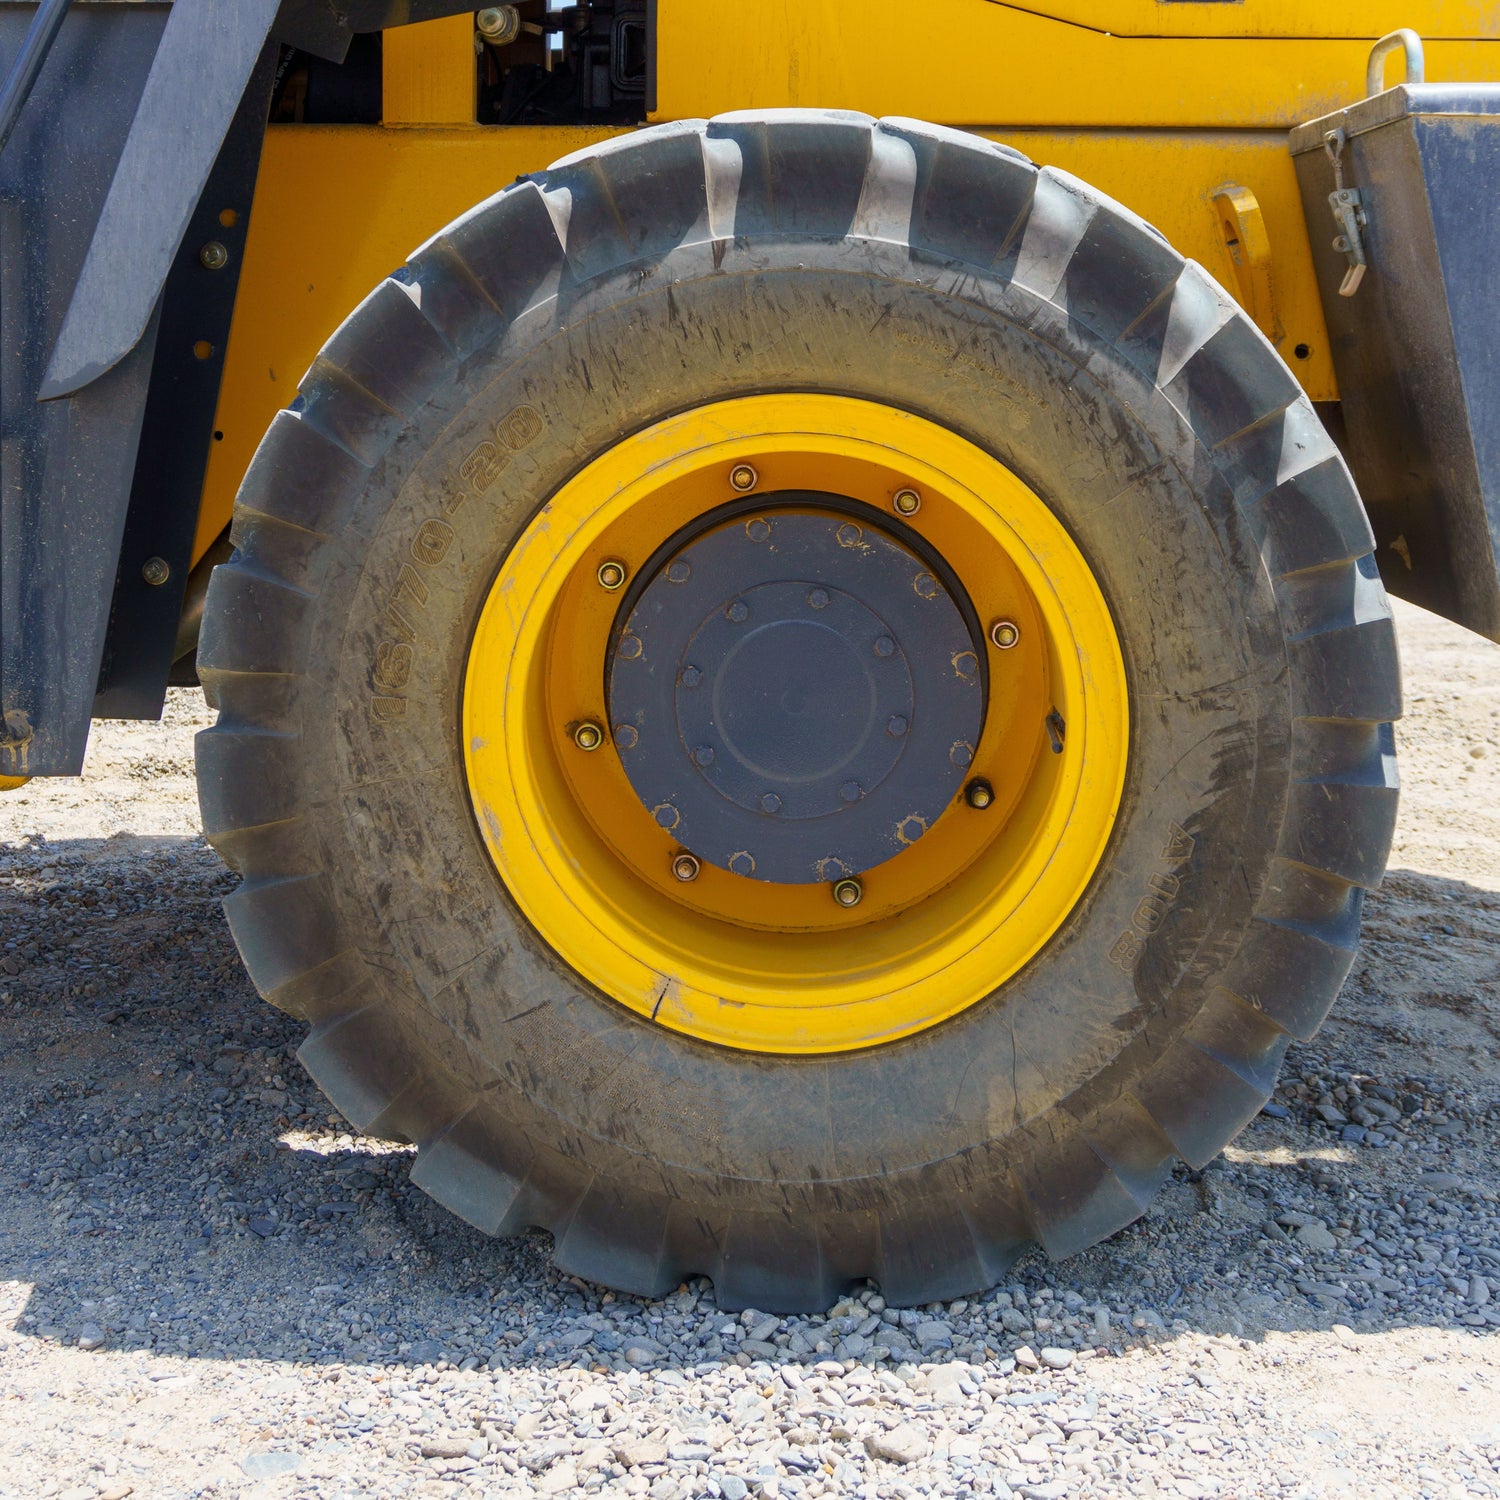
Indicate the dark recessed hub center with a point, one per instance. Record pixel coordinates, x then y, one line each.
806 690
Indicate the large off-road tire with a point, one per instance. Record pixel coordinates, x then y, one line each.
939 288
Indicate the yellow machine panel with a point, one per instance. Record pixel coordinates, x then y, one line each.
1177 110
999 65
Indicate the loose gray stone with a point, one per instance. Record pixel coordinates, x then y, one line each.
906 1444
1315 1237
269 1465
445 1448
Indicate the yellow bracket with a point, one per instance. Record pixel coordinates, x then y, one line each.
12 783
1242 229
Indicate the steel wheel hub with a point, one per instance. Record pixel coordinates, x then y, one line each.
795 694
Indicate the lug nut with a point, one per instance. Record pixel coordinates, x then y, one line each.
156 571
685 867
588 735
611 575
743 478
907 502
848 892
979 794
1005 633
213 256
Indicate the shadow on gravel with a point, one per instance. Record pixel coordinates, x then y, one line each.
173 1182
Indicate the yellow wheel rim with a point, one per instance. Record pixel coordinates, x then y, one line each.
746 963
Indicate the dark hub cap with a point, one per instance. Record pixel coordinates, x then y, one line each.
796 691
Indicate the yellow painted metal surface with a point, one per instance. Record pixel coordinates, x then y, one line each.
1271 18
337 207
427 73
748 964
12 783
975 62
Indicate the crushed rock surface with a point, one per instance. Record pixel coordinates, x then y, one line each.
209 1286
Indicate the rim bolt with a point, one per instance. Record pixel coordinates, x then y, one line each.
743 478
704 755
907 502
691 676
588 735
884 646
738 612
850 792
1005 634
611 575
896 726
626 736
770 802
979 794
818 598
685 867
848 892
679 570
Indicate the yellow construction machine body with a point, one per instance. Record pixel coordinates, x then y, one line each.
1180 109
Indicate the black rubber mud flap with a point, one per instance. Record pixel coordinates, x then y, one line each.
929 270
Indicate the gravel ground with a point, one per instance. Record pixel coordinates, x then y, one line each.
210 1286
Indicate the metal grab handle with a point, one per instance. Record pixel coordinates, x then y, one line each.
1410 43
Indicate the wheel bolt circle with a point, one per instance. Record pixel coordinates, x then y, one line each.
685 867
588 735
979 794
907 502
848 892
611 575
743 478
1005 634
